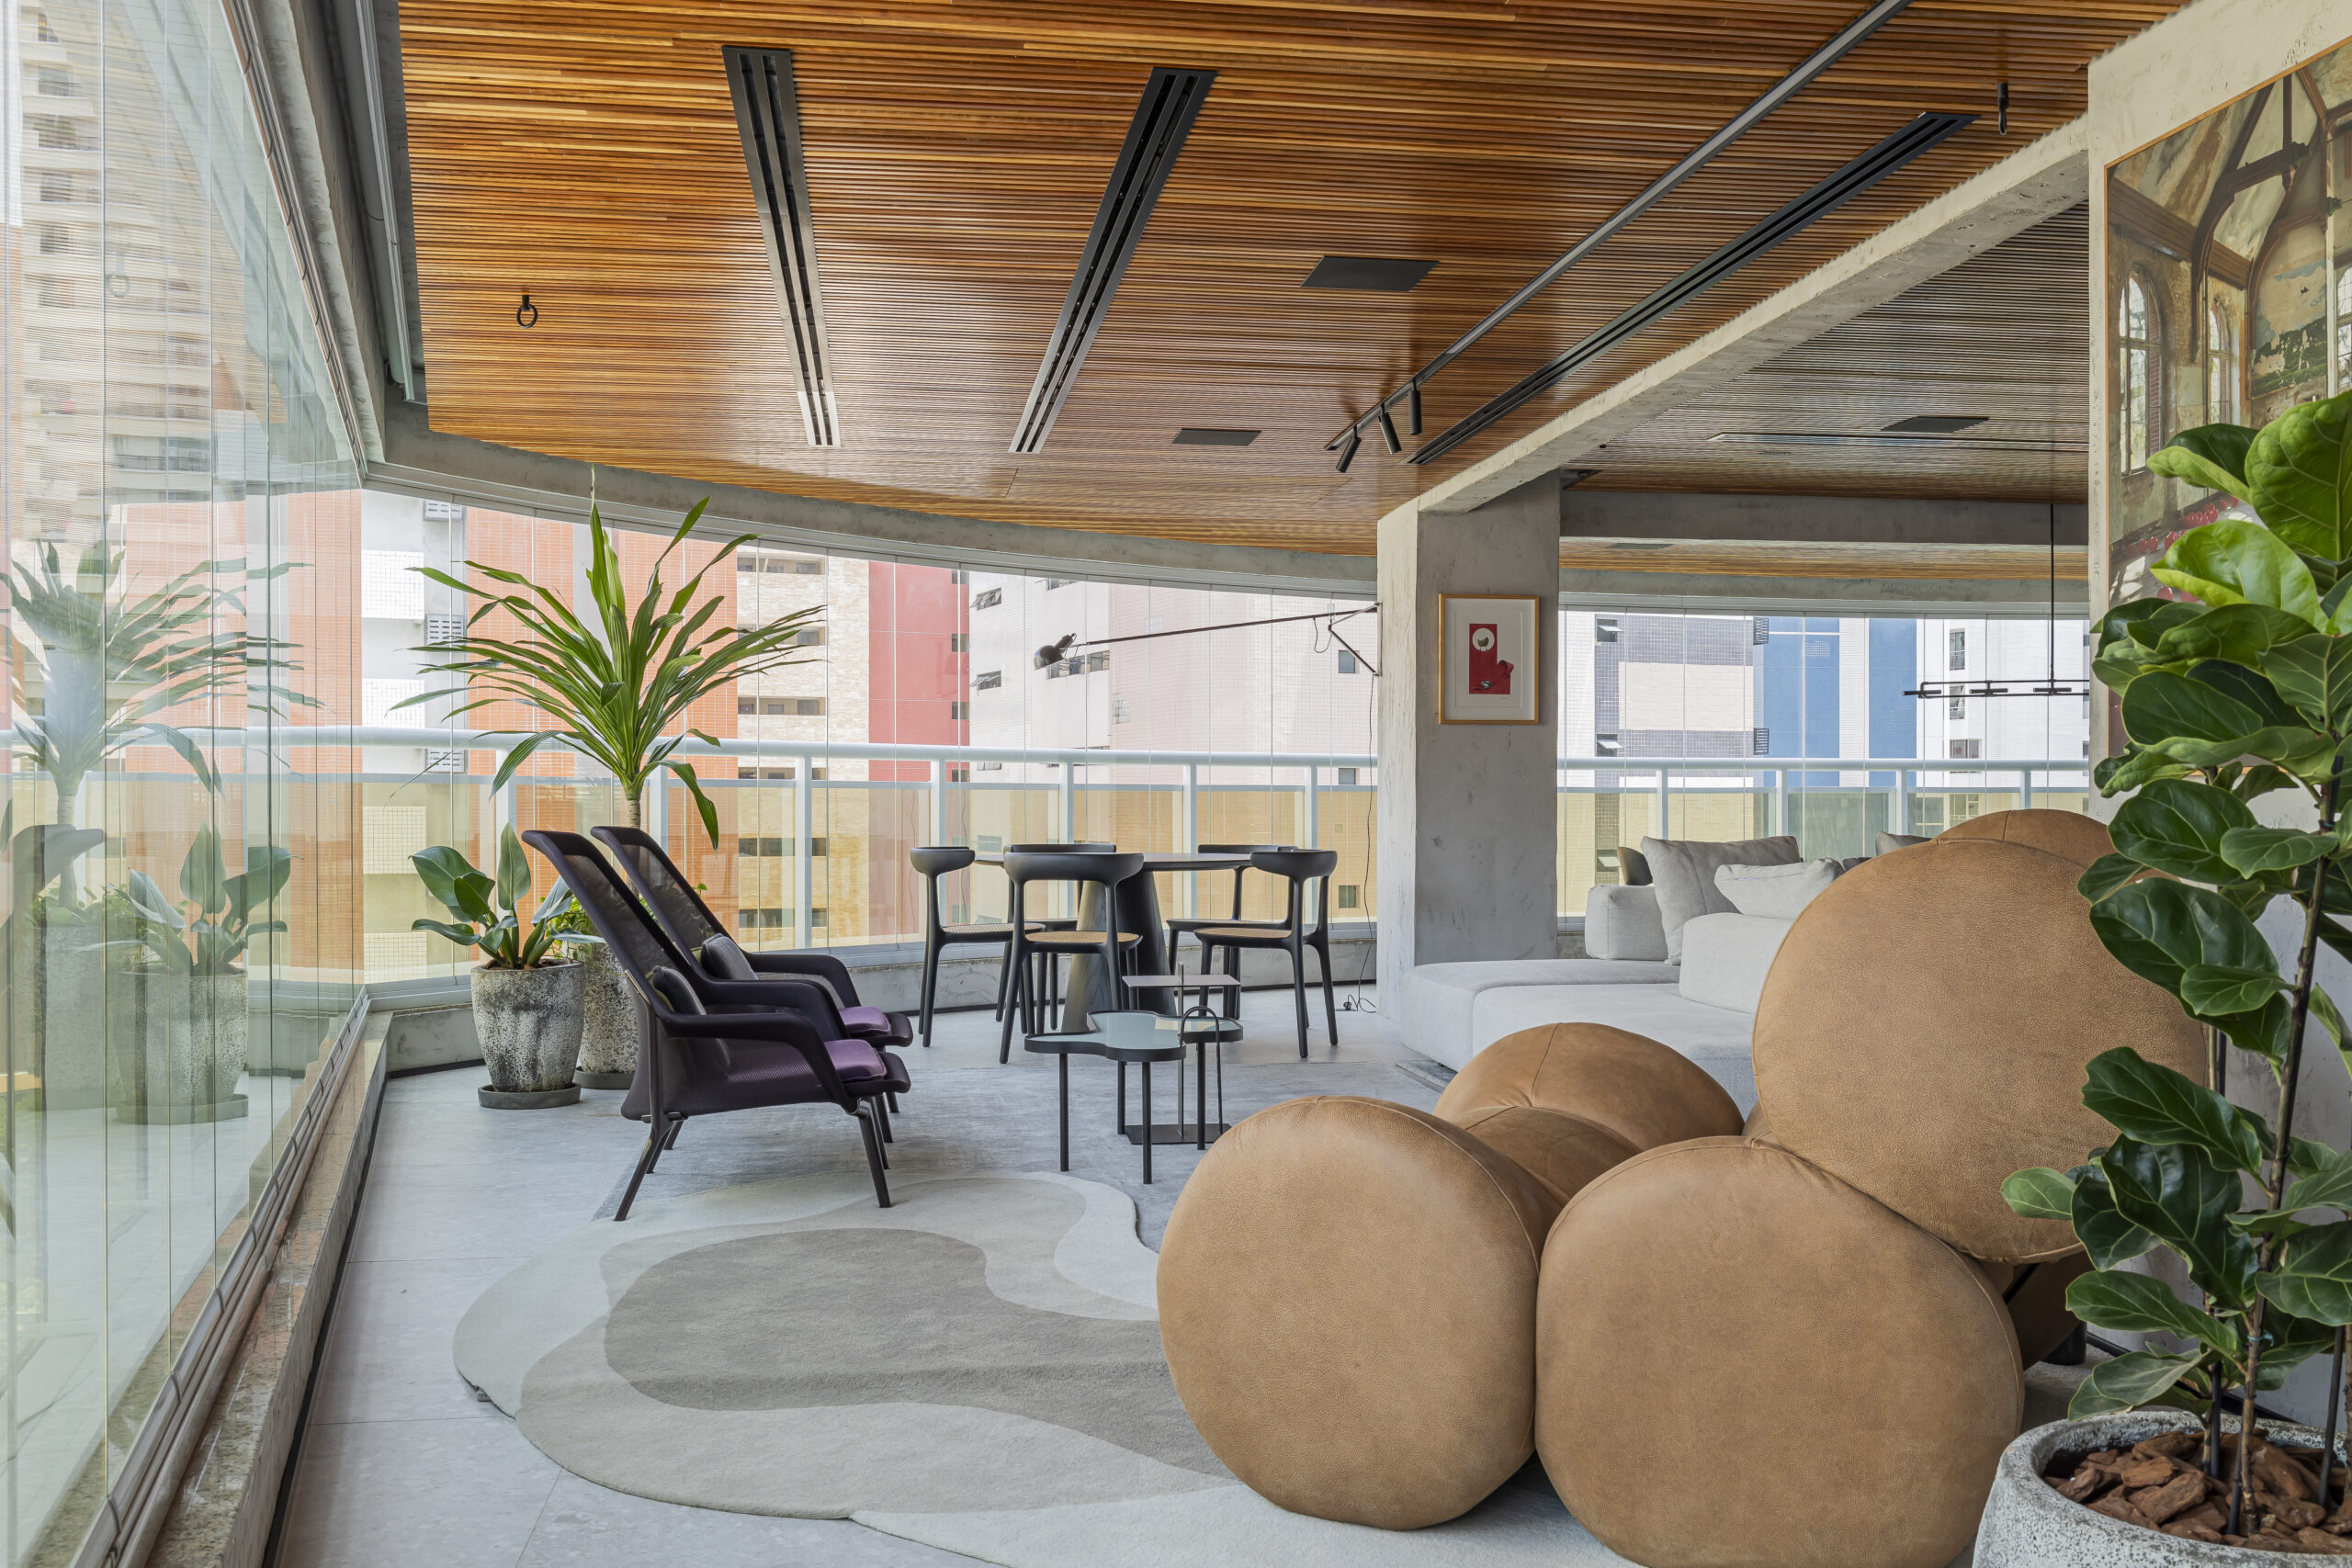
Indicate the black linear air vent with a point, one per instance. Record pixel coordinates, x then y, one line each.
1936 424
767 113
1171 101
1375 275
1194 435
1922 135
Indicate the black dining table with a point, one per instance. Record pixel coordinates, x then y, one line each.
1087 989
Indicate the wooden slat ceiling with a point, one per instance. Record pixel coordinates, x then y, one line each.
586 153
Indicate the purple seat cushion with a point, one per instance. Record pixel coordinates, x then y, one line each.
873 1020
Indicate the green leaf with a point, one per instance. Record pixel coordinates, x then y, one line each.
2127 1382
2106 875
2136 767
2235 561
2237 632
462 935
2289 1341
453 881
2250 687
2134 1304
2159 929
2041 1194
2107 1236
2299 477
2162 708
2178 827
203 875
2325 1184
2211 456
513 870
2143 622
2252 783
2155 1105
2278 1223
2253 851
2313 1279
2184 1198
2212 991
2315 675
2298 749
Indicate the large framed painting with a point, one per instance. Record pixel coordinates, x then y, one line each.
1494 671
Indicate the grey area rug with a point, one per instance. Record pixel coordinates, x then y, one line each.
960 1121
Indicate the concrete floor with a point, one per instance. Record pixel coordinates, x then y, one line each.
401 1467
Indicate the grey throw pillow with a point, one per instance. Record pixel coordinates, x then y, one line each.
1633 870
1890 842
726 961
1684 874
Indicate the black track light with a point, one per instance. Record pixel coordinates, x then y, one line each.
1053 654
1413 410
2002 103
1388 431
1348 449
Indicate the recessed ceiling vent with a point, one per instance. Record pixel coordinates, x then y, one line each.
1936 424
1372 275
1923 134
767 113
1199 435
1171 101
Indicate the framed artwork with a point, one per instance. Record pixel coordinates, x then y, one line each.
1494 671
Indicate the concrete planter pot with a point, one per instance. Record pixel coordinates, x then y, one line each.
179 1047
2028 1525
529 1022
609 1033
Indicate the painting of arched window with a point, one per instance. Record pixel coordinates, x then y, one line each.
2220 365
2343 329
2139 424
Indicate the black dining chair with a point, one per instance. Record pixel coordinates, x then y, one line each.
1083 868
696 930
720 1046
1178 928
940 934
1047 963
1300 867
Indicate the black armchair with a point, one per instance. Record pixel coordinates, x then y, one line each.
720 1046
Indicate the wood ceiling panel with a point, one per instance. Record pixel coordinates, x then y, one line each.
1910 563
586 153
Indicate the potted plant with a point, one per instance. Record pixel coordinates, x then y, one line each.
183 1022
2244 693
526 1005
609 1018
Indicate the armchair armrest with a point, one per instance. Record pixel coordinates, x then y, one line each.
808 1000
765 1026
822 968
1623 922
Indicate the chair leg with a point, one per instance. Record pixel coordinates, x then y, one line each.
1016 967
1298 996
645 1158
1062 1062
930 985
873 1161
1330 1007
893 1097
882 1121
664 1140
676 1127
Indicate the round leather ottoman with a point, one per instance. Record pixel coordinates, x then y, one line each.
1646 1093
1347 1298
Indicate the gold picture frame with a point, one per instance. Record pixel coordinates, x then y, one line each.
1491 668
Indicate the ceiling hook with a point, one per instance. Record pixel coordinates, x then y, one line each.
526 315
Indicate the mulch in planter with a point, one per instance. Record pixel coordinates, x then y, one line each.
2161 1484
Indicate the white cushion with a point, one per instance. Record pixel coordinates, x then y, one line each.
1434 1014
1622 922
1775 892
1684 871
1718 1039
1725 958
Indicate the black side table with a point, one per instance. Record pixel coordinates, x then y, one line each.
1141 1038
1200 1027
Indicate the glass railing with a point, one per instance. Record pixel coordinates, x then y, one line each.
813 839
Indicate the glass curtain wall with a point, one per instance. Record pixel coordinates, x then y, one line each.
181 941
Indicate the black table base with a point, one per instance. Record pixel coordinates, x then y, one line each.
1182 1132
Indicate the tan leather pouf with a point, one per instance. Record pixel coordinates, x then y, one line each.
1646 1093
1743 1360
1347 1298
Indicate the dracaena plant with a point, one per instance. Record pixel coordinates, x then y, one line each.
617 678
2243 693
486 908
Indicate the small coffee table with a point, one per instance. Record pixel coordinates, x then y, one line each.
1141 1038
1204 1031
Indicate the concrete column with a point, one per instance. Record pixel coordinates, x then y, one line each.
1468 829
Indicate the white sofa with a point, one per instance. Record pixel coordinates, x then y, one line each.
1704 1007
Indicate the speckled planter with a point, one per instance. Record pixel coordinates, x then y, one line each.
2028 1525
530 1021
609 1031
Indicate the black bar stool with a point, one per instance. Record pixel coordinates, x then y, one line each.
1300 867
938 934
1082 867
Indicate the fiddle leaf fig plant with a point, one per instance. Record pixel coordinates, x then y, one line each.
487 908
2240 692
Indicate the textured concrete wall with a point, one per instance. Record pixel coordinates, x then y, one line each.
1467 825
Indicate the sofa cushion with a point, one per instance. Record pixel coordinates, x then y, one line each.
1633 866
1434 1014
1725 958
1775 892
1622 923
1715 1039
1684 870
1890 842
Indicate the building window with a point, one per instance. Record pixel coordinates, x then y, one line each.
816 917
1959 648
787 707
1759 630
2221 363
56 84
1099 660
1957 707
1346 663
1053 582
1760 741
959 642
1606 746
810 637
445 628
988 598
1967 749
763 848
988 681
1347 778
1604 628
959 711
2137 359
1350 895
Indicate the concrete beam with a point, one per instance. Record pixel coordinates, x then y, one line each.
1813 519
2037 182
1928 597
420 460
